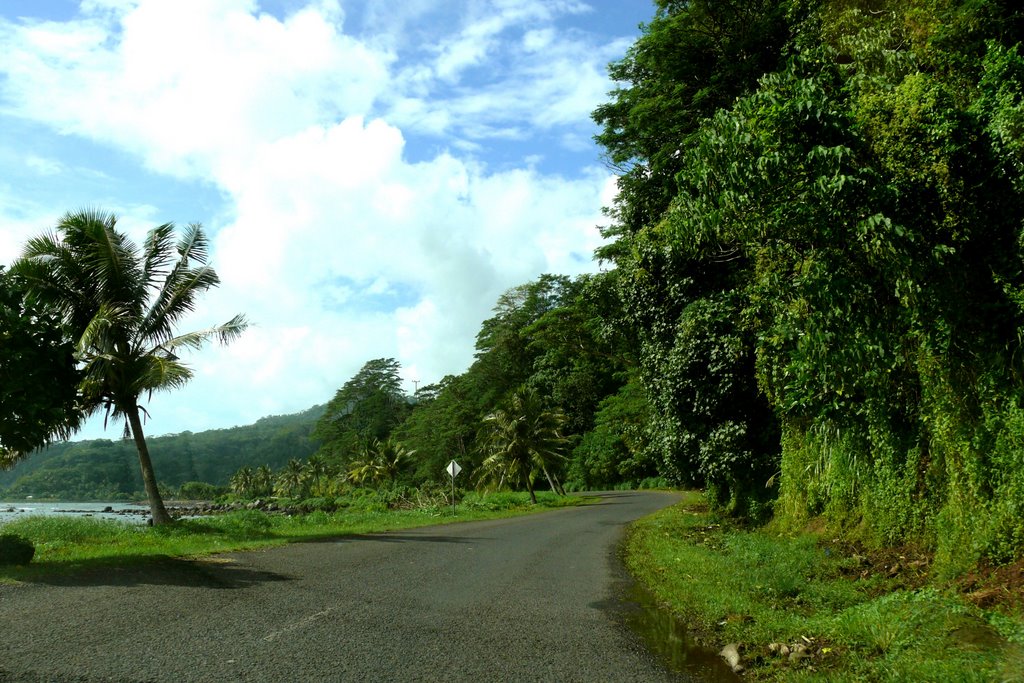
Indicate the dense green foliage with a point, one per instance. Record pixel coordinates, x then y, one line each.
522 439
38 378
367 408
822 259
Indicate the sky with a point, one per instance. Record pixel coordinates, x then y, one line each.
372 174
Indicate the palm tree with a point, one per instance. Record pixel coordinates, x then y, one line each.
390 457
522 440
242 482
382 461
122 305
263 481
317 471
292 481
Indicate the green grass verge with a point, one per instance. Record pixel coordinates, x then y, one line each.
67 544
764 591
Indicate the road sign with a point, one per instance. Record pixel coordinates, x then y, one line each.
453 470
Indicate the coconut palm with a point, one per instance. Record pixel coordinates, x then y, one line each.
391 458
292 481
522 440
263 481
122 305
317 473
242 482
381 461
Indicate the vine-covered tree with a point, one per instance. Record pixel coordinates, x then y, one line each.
818 241
122 305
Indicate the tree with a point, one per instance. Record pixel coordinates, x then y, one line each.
318 472
242 482
38 377
369 406
522 440
694 57
293 480
381 462
122 305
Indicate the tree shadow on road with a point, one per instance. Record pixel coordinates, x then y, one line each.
211 572
422 538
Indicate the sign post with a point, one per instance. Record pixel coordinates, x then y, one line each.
453 470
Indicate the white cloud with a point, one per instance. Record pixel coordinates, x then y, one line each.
193 83
336 245
43 166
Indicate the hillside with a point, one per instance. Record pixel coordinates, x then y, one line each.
108 470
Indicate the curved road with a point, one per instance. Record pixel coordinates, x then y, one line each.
524 599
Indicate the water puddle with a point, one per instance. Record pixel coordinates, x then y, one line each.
667 638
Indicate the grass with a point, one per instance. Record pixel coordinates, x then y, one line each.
776 594
66 544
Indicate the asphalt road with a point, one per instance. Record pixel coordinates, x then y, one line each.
532 598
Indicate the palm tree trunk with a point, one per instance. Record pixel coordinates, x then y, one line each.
558 484
529 487
156 503
551 482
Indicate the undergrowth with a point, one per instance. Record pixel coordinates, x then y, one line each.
803 607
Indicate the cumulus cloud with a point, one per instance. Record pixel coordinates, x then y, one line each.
336 244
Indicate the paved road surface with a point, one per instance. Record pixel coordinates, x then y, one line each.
524 599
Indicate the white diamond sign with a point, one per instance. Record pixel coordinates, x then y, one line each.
453 469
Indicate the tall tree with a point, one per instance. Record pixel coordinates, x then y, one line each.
122 305
369 406
38 377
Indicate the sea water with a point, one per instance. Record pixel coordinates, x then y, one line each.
128 512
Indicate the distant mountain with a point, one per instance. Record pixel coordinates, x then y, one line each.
109 470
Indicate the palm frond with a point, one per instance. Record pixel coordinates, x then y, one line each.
104 331
176 299
158 250
195 340
194 245
110 258
159 372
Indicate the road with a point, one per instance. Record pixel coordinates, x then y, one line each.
530 598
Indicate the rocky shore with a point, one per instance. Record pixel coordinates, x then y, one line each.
178 509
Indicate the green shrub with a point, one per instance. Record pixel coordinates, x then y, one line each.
199 490
15 550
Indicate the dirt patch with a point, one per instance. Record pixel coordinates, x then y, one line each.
899 567
988 587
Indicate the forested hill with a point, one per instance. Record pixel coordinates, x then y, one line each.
109 470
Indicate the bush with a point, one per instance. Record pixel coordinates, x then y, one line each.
199 490
15 550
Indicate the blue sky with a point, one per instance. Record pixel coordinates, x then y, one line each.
373 174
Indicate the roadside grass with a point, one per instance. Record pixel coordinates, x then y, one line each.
66 544
776 595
